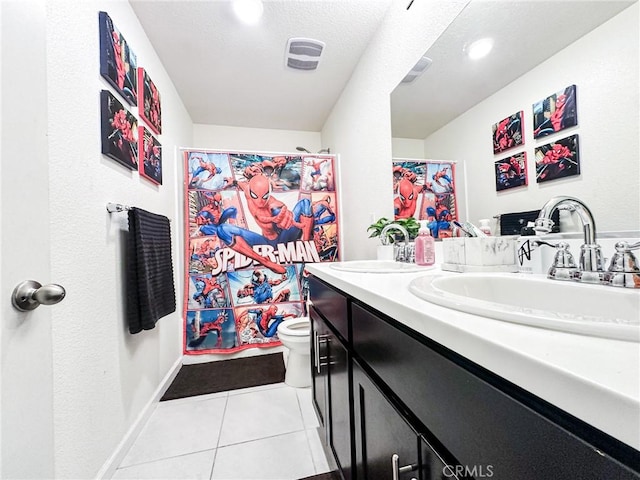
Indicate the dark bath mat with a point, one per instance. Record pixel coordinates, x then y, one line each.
324 476
224 375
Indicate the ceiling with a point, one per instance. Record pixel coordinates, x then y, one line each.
232 74
526 33
229 73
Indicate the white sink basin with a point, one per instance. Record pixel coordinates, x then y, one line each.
596 310
377 266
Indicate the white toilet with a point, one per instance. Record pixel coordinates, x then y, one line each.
294 334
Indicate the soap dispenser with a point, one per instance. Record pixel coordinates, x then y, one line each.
425 246
485 227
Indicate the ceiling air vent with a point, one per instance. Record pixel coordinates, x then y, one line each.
417 69
303 53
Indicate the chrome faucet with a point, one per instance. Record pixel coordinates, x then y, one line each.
400 253
591 262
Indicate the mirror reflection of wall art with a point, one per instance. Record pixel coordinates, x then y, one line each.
557 160
119 131
150 150
149 102
425 190
555 113
511 171
508 133
117 60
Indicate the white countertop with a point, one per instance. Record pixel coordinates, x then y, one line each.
594 379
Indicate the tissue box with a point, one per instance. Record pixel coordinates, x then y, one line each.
480 254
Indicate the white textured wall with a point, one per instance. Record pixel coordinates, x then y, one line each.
407 148
359 126
604 67
256 139
103 376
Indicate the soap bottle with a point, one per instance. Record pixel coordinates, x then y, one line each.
425 246
484 226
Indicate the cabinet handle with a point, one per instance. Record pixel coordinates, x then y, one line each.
397 469
317 340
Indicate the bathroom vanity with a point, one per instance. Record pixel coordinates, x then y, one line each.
405 389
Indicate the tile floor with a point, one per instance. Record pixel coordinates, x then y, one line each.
259 433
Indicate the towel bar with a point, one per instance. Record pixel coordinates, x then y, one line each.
117 207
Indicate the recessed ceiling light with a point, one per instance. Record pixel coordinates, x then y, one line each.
479 48
248 11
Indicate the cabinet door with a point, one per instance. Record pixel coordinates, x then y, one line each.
386 446
340 404
433 467
319 373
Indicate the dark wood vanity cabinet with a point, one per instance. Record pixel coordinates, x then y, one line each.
386 444
331 383
443 415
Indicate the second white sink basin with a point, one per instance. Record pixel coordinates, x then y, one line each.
377 266
596 310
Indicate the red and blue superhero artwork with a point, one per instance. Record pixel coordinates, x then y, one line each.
149 102
425 190
252 226
207 170
260 285
118 63
259 323
150 151
508 133
558 159
318 174
283 171
555 112
511 172
119 129
437 212
208 291
210 329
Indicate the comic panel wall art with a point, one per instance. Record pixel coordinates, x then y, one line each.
117 60
150 156
426 190
511 171
508 133
119 131
555 113
149 107
558 159
253 221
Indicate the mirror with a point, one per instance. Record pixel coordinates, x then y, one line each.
540 48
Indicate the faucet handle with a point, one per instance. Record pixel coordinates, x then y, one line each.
564 266
624 260
624 270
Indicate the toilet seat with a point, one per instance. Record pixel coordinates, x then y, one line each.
295 327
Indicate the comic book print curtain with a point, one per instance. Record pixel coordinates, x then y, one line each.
426 190
252 222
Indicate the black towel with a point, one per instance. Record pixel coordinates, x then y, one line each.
512 223
151 291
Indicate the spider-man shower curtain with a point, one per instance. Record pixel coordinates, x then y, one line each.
252 222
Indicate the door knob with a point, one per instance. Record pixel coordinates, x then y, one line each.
30 294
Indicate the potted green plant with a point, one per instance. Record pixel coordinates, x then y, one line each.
410 224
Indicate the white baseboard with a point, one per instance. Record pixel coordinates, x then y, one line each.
110 466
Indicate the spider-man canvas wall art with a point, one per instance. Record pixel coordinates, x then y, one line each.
508 133
118 63
555 113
